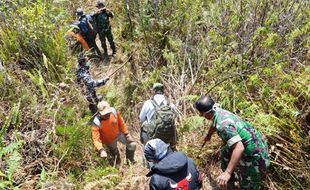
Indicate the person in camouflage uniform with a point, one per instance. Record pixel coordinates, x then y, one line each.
102 21
87 83
245 149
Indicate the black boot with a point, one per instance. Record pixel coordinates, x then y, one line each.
116 158
130 152
113 48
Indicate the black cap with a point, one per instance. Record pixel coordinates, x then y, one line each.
204 104
81 58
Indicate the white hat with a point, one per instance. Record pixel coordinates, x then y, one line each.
104 108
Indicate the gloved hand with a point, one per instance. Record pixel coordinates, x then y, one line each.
103 153
129 138
100 10
106 79
207 138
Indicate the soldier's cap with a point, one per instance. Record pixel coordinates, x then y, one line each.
79 12
100 3
104 108
158 86
155 150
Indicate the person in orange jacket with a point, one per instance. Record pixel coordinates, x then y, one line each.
108 128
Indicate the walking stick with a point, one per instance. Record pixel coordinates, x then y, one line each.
129 59
204 143
120 67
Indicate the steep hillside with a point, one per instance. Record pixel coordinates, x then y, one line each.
252 56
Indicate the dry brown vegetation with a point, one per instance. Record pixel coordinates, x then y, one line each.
252 56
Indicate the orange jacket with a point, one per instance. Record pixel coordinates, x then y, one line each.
78 37
108 130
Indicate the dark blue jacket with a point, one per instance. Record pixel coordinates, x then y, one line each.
175 167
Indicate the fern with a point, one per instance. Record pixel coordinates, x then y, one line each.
13 160
13 119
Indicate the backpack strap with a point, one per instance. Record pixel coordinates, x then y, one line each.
156 106
114 111
97 121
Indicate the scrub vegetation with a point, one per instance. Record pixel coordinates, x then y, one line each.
251 56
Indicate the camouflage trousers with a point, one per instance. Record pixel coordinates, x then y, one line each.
250 169
107 34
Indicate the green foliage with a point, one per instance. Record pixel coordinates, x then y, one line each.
254 61
38 80
24 38
12 159
75 139
12 120
192 123
97 173
111 96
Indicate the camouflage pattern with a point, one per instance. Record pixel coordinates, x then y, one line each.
89 85
255 158
104 29
107 34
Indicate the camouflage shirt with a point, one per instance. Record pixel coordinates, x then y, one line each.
233 129
102 20
88 83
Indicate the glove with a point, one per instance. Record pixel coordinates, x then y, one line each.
103 153
207 138
106 79
100 10
129 138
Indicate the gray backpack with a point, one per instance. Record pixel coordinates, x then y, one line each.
162 124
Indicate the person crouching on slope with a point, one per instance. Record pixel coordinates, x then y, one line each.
108 128
246 147
171 170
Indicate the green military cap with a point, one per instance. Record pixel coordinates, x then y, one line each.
158 86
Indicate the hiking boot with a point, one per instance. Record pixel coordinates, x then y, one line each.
131 162
130 152
115 158
105 55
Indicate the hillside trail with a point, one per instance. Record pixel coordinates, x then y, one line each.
133 177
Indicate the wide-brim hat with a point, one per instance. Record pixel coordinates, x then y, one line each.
104 108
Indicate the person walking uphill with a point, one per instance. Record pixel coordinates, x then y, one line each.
158 118
87 83
101 18
171 170
245 149
108 128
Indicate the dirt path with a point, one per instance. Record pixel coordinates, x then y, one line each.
133 176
